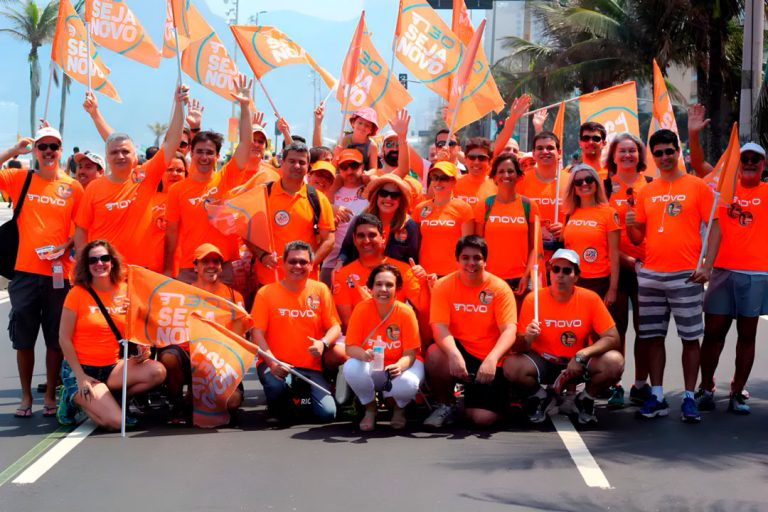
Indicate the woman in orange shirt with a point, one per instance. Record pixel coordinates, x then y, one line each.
383 325
92 368
176 171
592 230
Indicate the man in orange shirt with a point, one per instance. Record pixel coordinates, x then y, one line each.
258 171
449 149
90 166
475 186
117 207
473 317
294 321
668 215
558 346
592 140
45 223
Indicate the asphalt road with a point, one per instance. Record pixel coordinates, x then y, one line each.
718 465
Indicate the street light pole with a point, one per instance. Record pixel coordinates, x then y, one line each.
751 66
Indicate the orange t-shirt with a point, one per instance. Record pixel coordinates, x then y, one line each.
744 230
292 220
506 232
473 190
587 233
618 201
263 174
186 206
473 314
287 318
122 212
94 342
440 228
673 213
400 332
565 327
46 216
349 279
543 194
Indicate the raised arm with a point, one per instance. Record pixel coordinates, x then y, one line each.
176 126
246 134
22 147
519 107
92 107
317 128
400 126
696 122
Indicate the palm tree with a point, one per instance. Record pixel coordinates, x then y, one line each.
36 27
158 129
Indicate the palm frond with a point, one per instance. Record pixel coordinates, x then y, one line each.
594 23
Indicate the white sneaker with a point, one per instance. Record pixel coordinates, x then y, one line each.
568 404
343 393
442 415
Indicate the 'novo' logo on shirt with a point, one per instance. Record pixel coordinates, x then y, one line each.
438 222
56 201
578 222
119 205
504 219
471 308
562 323
296 313
665 198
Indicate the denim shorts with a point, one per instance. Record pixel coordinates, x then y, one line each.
736 294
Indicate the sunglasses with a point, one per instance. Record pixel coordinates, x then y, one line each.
350 165
104 258
297 261
183 144
566 271
394 194
662 152
754 159
591 138
482 158
389 144
440 177
442 144
45 146
589 180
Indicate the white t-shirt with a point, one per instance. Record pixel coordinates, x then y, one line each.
352 199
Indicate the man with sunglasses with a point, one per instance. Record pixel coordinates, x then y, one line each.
44 227
668 215
475 186
558 346
592 139
448 149
397 155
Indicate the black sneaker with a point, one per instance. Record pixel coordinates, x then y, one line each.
540 405
586 408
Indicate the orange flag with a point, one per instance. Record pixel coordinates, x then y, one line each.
70 51
373 85
481 95
208 63
663 117
426 46
559 125
160 307
614 107
244 212
461 80
114 26
723 176
266 48
349 68
219 359
192 26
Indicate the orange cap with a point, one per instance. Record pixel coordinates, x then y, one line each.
206 249
351 155
323 165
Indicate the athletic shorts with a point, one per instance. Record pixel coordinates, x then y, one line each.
547 370
662 294
491 397
35 303
183 358
736 294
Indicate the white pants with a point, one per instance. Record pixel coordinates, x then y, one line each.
365 382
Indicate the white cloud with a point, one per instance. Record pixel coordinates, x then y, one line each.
329 10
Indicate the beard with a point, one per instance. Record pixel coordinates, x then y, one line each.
391 158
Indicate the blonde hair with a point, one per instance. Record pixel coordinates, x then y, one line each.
572 201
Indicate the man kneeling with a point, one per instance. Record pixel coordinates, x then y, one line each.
559 347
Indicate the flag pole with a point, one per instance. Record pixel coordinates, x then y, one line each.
124 391
48 92
455 114
536 291
292 371
327 96
178 54
705 240
557 189
88 48
269 99
348 88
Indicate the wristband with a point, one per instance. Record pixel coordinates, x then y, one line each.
324 342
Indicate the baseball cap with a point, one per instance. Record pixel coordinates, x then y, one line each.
446 168
47 132
350 155
322 165
206 249
567 255
257 128
755 148
93 157
388 133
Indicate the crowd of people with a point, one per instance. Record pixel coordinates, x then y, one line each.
392 275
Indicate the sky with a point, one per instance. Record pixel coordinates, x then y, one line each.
322 27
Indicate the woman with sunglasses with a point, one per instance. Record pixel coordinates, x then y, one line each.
174 173
383 327
506 222
592 231
442 220
92 369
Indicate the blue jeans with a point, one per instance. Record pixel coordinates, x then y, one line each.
286 398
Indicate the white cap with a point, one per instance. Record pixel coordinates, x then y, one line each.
755 148
257 128
53 132
93 157
567 255
388 133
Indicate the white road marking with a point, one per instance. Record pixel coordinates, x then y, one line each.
4 297
591 473
55 454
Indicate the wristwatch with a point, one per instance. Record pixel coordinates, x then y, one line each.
581 360
324 342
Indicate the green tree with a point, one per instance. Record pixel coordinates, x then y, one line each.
36 27
158 129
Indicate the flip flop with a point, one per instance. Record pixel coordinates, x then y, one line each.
23 412
49 410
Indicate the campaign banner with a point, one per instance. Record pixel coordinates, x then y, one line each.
614 107
662 117
208 63
114 26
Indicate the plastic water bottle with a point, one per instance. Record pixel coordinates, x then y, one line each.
378 356
58 275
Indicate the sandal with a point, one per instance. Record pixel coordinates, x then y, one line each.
368 422
49 410
398 420
24 412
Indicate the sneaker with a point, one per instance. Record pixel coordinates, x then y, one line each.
567 405
705 400
177 416
442 415
586 407
131 421
737 404
652 408
689 412
540 405
638 396
616 400
66 411
343 393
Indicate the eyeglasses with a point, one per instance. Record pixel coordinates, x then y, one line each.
394 194
566 271
439 177
350 165
389 144
441 144
591 138
45 146
297 262
104 258
482 158
589 180
662 152
183 144
747 159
